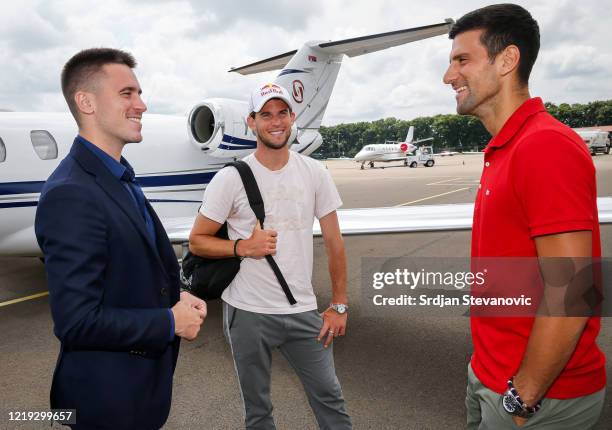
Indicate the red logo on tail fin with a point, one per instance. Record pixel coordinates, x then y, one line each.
298 91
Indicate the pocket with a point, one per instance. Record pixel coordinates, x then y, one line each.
309 323
508 418
229 317
233 318
473 381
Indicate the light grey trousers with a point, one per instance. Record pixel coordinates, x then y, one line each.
252 336
485 410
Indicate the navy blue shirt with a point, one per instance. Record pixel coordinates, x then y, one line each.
124 173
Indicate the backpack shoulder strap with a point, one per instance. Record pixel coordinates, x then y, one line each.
251 188
256 202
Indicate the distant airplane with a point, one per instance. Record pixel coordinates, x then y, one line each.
389 151
179 155
446 153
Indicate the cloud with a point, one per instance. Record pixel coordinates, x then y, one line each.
34 31
185 49
286 14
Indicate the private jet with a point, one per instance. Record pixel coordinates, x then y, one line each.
180 154
389 151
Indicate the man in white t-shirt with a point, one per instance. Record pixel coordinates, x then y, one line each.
258 316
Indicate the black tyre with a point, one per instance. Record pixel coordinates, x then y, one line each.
413 164
429 163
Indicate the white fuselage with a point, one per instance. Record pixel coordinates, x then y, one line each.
383 152
172 171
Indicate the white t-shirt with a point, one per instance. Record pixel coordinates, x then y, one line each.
292 197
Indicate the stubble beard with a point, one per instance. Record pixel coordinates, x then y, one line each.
475 103
467 106
267 143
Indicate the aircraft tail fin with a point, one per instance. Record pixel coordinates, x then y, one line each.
310 73
410 135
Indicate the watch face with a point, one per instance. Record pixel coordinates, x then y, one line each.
509 404
339 307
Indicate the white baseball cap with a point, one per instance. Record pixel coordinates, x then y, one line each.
261 95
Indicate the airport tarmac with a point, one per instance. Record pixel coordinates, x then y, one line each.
397 372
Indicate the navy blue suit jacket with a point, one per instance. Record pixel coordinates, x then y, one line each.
110 288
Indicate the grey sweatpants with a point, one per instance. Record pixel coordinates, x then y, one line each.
485 410
252 336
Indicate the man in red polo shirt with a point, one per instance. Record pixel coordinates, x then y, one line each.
537 198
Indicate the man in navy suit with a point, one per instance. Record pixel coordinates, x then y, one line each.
112 273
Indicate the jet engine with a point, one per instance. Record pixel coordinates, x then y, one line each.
218 126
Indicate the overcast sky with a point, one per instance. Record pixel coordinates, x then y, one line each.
184 49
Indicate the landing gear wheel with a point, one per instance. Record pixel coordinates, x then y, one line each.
371 165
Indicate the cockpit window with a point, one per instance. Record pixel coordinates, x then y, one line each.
2 151
44 144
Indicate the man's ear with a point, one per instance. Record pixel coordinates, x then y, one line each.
510 58
85 102
251 123
292 117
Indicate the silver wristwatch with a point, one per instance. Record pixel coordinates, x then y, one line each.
341 308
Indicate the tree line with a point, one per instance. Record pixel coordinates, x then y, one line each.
449 132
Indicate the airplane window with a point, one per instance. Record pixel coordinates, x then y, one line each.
2 151
44 144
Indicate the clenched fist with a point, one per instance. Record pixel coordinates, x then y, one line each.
261 243
187 320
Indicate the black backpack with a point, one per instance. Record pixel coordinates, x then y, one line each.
208 277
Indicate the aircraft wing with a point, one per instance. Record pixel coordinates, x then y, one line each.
272 63
403 219
352 47
414 142
376 42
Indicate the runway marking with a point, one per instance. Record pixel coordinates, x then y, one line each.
23 299
431 197
443 181
456 181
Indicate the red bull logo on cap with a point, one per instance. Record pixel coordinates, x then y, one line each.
270 88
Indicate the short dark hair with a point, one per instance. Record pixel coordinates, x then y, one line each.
504 25
78 71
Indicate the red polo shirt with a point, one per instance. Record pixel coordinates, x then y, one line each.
538 179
